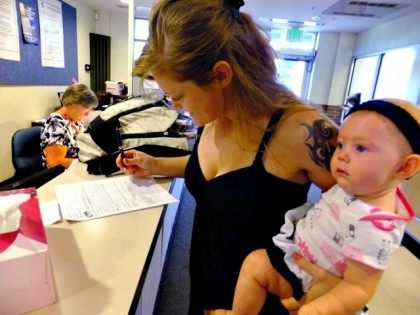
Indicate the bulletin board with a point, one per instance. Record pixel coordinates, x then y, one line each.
29 71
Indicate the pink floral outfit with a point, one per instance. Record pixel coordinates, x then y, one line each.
341 226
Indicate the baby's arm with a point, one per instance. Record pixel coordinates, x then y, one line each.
349 296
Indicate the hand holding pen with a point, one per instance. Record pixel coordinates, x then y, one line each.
137 163
122 155
120 148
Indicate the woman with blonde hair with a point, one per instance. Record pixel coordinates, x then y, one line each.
258 149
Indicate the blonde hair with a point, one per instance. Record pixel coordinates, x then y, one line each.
79 94
187 37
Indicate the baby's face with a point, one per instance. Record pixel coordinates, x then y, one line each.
370 149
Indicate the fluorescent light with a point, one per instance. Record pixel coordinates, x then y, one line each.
146 9
309 23
274 20
124 1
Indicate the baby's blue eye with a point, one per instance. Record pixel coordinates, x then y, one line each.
339 145
361 148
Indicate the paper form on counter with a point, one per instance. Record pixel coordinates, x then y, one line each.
99 198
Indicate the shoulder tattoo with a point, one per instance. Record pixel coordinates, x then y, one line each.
320 140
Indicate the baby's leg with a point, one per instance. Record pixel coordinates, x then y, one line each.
258 276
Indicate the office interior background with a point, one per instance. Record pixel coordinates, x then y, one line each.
316 62
371 47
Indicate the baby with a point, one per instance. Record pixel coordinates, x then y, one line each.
354 228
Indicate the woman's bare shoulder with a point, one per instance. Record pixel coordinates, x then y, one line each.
301 134
303 123
304 142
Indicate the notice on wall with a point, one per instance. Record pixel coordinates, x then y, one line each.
52 35
29 19
9 36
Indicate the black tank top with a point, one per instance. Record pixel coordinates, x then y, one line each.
236 213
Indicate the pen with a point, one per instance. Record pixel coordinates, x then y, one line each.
119 143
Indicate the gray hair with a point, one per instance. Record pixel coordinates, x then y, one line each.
79 94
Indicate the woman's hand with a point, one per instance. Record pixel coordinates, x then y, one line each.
137 163
323 280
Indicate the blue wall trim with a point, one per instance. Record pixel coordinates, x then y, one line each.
28 71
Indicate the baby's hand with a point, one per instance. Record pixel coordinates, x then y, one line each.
291 305
323 280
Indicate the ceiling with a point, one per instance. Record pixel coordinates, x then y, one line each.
332 15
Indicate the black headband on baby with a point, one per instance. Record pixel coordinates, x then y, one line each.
235 4
406 123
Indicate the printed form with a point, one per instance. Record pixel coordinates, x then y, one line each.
99 198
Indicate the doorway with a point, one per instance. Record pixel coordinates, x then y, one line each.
100 60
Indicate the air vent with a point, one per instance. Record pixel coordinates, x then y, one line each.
364 8
373 4
353 14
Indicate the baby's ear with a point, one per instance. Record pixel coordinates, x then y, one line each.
409 167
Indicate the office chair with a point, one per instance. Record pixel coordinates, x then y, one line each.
351 101
26 151
27 160
412 243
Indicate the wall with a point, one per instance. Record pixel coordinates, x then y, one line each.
331 68
335 50
323 68
19 105
342 64
395 34
115 25
411 189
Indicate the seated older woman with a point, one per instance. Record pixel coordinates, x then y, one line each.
58 136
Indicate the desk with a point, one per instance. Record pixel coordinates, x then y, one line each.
110 265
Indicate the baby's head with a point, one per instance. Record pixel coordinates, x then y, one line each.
378 146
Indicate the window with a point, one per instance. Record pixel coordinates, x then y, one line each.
141 34
292 74
296 51
395 73
364 77
385 75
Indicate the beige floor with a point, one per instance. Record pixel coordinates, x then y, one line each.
398 292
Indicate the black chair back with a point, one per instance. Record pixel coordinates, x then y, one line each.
26 151
27 160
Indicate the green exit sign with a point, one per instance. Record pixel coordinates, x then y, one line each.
294 34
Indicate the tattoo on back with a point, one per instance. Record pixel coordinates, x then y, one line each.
319 142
